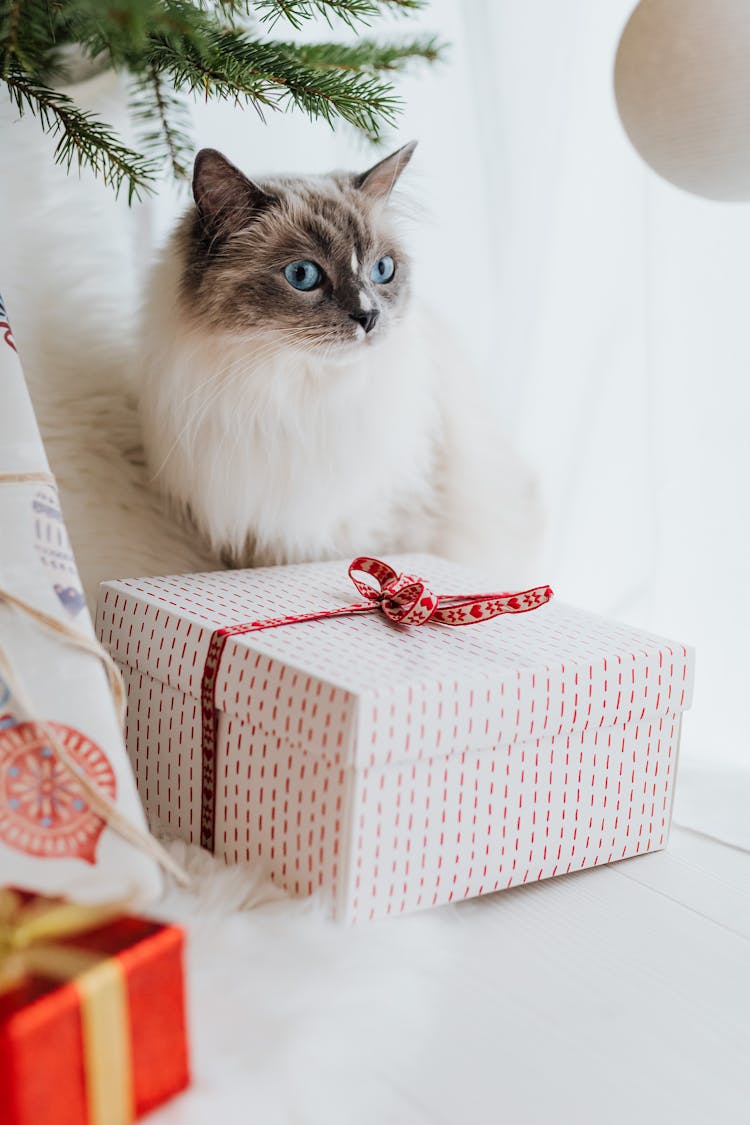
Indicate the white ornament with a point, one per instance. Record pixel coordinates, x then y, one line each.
682 84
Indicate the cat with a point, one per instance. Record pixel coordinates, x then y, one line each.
296 402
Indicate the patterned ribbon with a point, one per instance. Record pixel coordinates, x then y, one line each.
403 598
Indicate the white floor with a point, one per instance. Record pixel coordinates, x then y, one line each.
616 995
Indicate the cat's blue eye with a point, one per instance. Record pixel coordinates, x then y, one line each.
383 270
303 275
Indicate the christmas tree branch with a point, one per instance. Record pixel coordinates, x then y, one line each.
155 103
176 47
366 54
268 74
14 17
81 137
24 33
350 12
123 28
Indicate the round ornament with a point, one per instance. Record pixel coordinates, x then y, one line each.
682 85
43 811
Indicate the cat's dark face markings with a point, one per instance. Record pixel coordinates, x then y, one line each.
314 262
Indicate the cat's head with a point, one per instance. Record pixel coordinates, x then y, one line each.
311 262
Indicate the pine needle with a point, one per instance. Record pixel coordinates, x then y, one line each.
350 12
82 139
232 66
203 48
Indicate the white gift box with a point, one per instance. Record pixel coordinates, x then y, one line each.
395 767
51 841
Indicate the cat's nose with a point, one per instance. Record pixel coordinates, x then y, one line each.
368 319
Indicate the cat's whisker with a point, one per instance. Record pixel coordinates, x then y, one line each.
234 368
206 382
182 433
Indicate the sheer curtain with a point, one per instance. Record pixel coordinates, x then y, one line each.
623 341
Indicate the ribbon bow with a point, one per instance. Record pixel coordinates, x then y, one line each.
407 600
31 933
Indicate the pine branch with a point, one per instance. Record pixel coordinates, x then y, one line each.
230 9
350 12
81 137
123 28
366 54
154 103
268 74
25 34
14 18
173 47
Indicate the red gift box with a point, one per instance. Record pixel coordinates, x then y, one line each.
92 1014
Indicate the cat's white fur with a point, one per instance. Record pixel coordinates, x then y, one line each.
388 448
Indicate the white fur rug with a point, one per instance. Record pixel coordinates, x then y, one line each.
295 1019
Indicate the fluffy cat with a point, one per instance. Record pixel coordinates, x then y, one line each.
295 402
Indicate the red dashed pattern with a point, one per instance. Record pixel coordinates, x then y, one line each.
394 768
163 736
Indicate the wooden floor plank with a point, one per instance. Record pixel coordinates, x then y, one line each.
616 996
702 875
598 999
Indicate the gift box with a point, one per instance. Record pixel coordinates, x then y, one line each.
92 1014
80 835
394 767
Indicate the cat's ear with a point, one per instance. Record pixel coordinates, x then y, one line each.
226 199
379 181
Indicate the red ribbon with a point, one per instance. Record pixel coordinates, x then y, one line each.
403 598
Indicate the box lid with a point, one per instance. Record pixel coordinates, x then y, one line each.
363 690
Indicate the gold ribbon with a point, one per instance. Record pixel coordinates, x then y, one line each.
98 801
30 938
